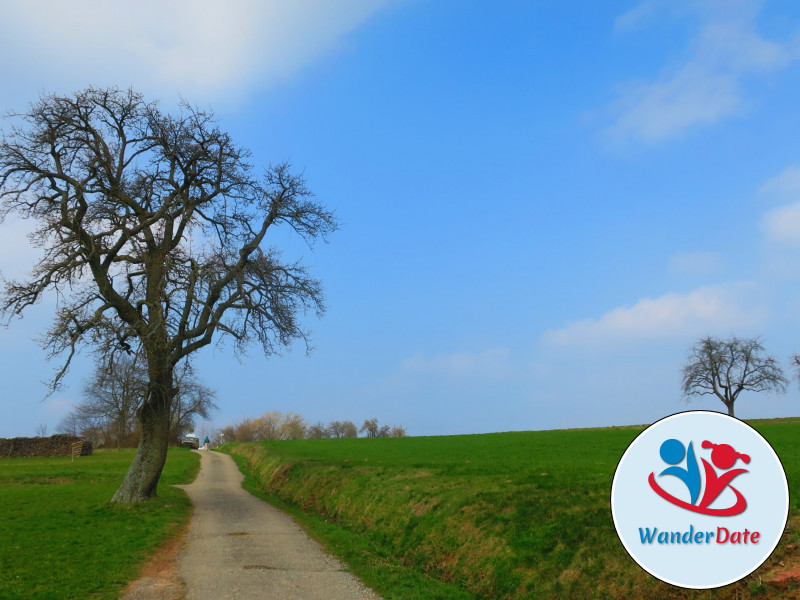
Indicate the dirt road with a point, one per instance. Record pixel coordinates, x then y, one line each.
240 547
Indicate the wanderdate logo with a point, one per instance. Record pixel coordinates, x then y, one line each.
723 457
699 499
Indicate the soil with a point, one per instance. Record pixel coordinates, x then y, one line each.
159 579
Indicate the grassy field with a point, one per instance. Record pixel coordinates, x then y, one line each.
511 515
62 539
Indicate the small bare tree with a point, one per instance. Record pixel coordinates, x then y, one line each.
726 368
70 424
397 431
270 426
84 421
374 430
343 429
192 399
371 428
155 231
113 396
275 425
293 427
318 431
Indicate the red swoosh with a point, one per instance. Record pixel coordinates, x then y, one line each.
737 508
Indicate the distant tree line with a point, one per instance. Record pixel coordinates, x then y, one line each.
374 430
112 399
276 425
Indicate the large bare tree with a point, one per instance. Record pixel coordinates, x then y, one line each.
726 368
155 230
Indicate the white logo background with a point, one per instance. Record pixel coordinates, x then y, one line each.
635 505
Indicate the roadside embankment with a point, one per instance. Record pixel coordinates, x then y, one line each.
515 515
502 516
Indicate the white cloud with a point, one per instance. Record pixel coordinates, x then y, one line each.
652 112
202 49
650 11
781 225
706 309
705 88
787 183
489 363
640 15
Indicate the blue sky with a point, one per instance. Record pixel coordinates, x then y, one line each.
544 204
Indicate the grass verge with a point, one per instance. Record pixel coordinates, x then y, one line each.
377 569
63 539
512 515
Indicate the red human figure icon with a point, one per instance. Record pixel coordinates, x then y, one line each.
724 457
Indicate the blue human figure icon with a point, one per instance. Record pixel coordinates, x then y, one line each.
672 452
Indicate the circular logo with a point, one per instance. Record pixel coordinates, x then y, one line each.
699 499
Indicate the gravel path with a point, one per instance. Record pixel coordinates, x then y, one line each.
240 547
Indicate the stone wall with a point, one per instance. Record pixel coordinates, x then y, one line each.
57 445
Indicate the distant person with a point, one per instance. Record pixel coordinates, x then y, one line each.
205 443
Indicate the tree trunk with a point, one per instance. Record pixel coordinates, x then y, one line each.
730 409
141 481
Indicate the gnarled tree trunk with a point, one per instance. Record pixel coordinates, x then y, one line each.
141 481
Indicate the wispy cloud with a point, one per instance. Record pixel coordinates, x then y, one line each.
781 225
489 363
705 88
787 183
642 14
200 48
706 309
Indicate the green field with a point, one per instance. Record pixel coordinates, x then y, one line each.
62 538
511 515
